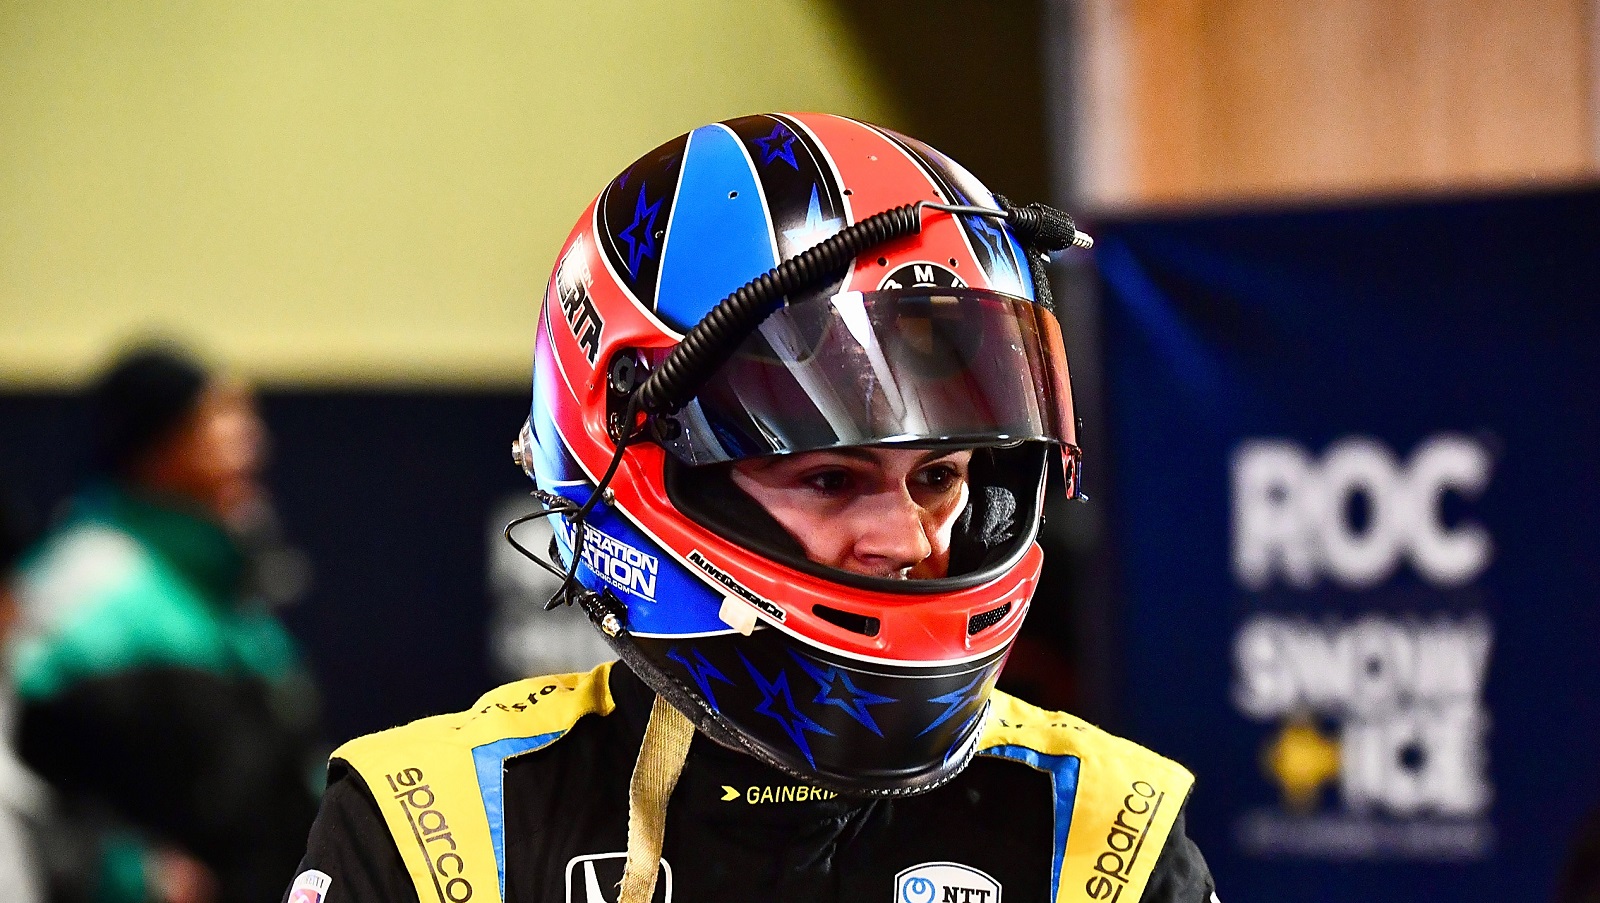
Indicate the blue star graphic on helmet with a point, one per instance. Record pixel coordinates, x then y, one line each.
778 146
644 221
702 671
793 722
815 229
834 687
954 701
995 242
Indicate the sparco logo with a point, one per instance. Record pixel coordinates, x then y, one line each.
572 288
1124 842
734 586
432 833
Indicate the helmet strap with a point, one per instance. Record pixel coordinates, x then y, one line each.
661 756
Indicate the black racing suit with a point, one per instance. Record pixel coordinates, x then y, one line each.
737 830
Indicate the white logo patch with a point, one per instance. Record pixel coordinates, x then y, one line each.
310 886
620 564
595 878
945 882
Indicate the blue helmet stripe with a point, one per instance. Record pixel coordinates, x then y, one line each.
720 233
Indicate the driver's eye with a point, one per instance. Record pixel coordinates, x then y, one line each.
828 481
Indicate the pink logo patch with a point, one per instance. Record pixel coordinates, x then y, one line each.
310 886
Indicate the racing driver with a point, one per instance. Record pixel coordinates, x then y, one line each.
798 382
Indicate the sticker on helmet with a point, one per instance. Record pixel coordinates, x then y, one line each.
617 562
938 882
770 609
922 275
572 289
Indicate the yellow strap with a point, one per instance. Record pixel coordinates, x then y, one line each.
661 757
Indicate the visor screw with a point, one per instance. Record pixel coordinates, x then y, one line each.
622 373
607 496
610 625
516 451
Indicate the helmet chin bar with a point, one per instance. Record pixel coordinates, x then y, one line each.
650 659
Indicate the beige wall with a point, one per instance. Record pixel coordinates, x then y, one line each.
1217 101
335 192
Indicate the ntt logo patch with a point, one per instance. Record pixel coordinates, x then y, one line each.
945 882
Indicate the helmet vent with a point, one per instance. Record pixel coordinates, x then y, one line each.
849 620
983 620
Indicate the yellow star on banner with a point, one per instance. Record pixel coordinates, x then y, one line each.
1301 759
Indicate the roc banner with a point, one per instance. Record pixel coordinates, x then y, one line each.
1356 511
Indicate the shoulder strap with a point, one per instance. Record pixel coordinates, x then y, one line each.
439 781
1116 801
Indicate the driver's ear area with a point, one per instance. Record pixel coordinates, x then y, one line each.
1001 506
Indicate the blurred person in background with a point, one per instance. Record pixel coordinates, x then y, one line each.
22 800
158 692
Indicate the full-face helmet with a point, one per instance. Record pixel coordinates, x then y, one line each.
778 284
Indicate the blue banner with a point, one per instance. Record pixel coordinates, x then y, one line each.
1356 501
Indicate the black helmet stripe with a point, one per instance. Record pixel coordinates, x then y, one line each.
632 214
797 180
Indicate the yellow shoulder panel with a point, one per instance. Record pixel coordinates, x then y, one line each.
438 781
1115 800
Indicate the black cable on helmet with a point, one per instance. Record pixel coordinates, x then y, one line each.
670 386
690 363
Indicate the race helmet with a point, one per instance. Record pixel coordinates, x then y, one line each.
776 284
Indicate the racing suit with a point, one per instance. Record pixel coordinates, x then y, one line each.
524 799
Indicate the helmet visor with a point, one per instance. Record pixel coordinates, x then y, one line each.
956 366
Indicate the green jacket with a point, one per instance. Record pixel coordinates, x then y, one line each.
130 581
150 689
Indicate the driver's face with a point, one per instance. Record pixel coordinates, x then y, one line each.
878 512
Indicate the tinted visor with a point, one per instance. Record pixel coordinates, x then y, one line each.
957 366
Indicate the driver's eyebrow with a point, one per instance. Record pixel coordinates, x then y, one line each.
864 454
935 454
